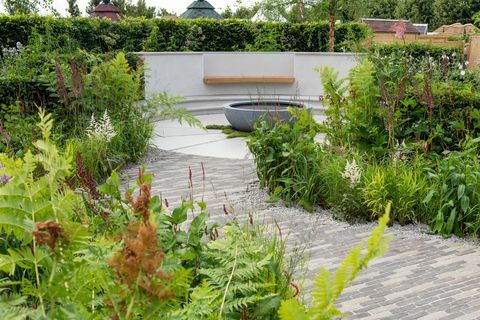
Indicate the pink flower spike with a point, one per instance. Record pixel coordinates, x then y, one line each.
400 28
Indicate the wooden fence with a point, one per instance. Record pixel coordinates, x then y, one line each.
442 41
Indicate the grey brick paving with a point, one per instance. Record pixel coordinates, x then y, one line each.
421 276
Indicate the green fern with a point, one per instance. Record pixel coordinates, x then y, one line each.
12 307
328 289
335 91
29 197
168 109
240 275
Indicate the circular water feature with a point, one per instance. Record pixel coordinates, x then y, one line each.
243 114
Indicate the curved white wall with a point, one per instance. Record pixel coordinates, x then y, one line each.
182 73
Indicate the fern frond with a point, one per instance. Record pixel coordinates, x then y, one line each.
292 310
328 289
168 109
45 124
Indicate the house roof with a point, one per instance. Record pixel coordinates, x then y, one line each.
200 9
422 28
106 10
388 25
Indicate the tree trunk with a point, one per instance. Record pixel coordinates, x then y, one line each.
331 31
300 10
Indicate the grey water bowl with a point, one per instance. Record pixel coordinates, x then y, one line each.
242 115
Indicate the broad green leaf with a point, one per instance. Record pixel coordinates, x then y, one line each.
465 204
179 214
460 191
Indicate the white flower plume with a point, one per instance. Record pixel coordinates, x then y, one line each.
101 129
352 173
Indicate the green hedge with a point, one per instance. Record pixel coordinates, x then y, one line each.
101 35
417 50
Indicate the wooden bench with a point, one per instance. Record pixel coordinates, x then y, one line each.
248 80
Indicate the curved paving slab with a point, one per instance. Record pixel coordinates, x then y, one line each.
421 277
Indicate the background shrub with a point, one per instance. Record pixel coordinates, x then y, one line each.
418 51
138 34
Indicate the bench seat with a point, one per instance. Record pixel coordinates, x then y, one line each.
248 79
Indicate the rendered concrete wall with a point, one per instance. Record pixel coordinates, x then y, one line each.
182 74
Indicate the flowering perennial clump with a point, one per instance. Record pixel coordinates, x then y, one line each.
13 52
352 173
101 128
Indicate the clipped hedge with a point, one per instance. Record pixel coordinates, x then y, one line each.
417 50
138 34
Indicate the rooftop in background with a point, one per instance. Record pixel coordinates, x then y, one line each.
422 28
200 9
388 25
106 10
457 29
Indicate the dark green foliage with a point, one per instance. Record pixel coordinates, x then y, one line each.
101 35
384 9
419 51
455 197
417 11
398 131
287 159
73 9
448 12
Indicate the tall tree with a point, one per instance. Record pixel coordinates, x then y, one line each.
332 9
450 11
381 8
26 6
240 11
139 10
162 12
91 5
417 11
73 9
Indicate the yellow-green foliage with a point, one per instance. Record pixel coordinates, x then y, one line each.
33 191
328 288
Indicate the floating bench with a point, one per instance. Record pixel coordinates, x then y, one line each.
248 79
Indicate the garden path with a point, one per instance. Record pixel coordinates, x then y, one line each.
421 277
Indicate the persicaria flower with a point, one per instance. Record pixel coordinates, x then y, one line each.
400 29
101 129
352 173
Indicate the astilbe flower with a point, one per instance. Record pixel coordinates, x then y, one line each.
138 262
352 173
47 233
102 128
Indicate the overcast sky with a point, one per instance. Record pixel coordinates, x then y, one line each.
177 6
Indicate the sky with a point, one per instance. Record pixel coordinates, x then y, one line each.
177 6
